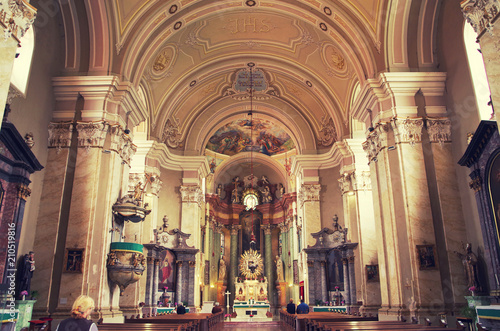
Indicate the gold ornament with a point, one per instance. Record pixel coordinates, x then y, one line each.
251 265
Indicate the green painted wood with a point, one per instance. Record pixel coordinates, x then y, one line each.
124 246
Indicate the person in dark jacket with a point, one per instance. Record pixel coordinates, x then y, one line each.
82 307
181 309
290 308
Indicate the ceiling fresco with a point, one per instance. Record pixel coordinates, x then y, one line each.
245 135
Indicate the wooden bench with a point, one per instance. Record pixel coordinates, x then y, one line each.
374 325
194 321
141 327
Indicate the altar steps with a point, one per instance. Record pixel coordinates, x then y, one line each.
260 326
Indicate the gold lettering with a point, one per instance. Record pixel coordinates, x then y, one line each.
266 27
233 29
250 23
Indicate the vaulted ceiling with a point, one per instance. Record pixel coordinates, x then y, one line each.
183 59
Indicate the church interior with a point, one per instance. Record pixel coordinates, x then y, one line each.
249 152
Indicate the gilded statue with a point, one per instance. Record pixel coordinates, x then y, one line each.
279 269
222 269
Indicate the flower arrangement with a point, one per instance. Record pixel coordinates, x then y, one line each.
141 304
24 294
269 314
472 289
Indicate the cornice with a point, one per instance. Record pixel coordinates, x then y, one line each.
176 162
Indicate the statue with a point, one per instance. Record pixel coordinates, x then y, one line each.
469 261
219 190
266 195
279 269
27 269
235 198
222 269
281 189
137 191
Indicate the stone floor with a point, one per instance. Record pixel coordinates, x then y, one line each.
260 326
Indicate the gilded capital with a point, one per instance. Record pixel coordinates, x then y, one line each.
376 141
408 130
267 229
480 14
23 192
91 134
309 192
60 135
235 229
439 130
192 194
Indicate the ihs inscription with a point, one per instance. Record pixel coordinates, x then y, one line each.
249 24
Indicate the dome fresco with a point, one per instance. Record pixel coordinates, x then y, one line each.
244 136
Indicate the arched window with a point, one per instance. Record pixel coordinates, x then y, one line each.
22 64
478 73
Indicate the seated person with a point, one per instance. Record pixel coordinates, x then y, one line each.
181 309
302 308
216 309
290 308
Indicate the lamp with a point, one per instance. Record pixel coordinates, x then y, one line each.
250 65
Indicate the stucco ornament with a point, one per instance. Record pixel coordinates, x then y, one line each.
172 136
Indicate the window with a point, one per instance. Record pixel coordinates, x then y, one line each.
22 64
478 73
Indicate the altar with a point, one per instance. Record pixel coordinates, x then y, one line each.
251 302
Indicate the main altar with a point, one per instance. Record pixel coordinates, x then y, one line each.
251 302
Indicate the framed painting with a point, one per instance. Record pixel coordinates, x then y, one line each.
372 273
426 257
73 260
167 270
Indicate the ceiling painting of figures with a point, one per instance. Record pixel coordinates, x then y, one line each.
245 135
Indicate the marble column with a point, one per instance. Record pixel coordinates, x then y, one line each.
179 283
324 285
352 281
347 296
233 263
17 17
149 282
268 259
156 277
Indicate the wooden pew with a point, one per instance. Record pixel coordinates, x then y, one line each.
141 327
198 321
373 325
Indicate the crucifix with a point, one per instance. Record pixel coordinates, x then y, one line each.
227 301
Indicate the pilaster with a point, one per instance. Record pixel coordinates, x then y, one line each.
308 198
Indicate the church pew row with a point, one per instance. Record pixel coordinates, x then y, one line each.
199 321
143 327
298 322
370 325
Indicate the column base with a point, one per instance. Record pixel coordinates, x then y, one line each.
281 287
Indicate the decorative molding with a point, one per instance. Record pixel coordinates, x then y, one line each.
266 228
439 130
16 17
60 135
192 194
376 141
408 130
480 14
23 191
13 93
218 227
235 229
328 131
347 182
171 135
364 181
477 181
91 134
121 143
309 192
